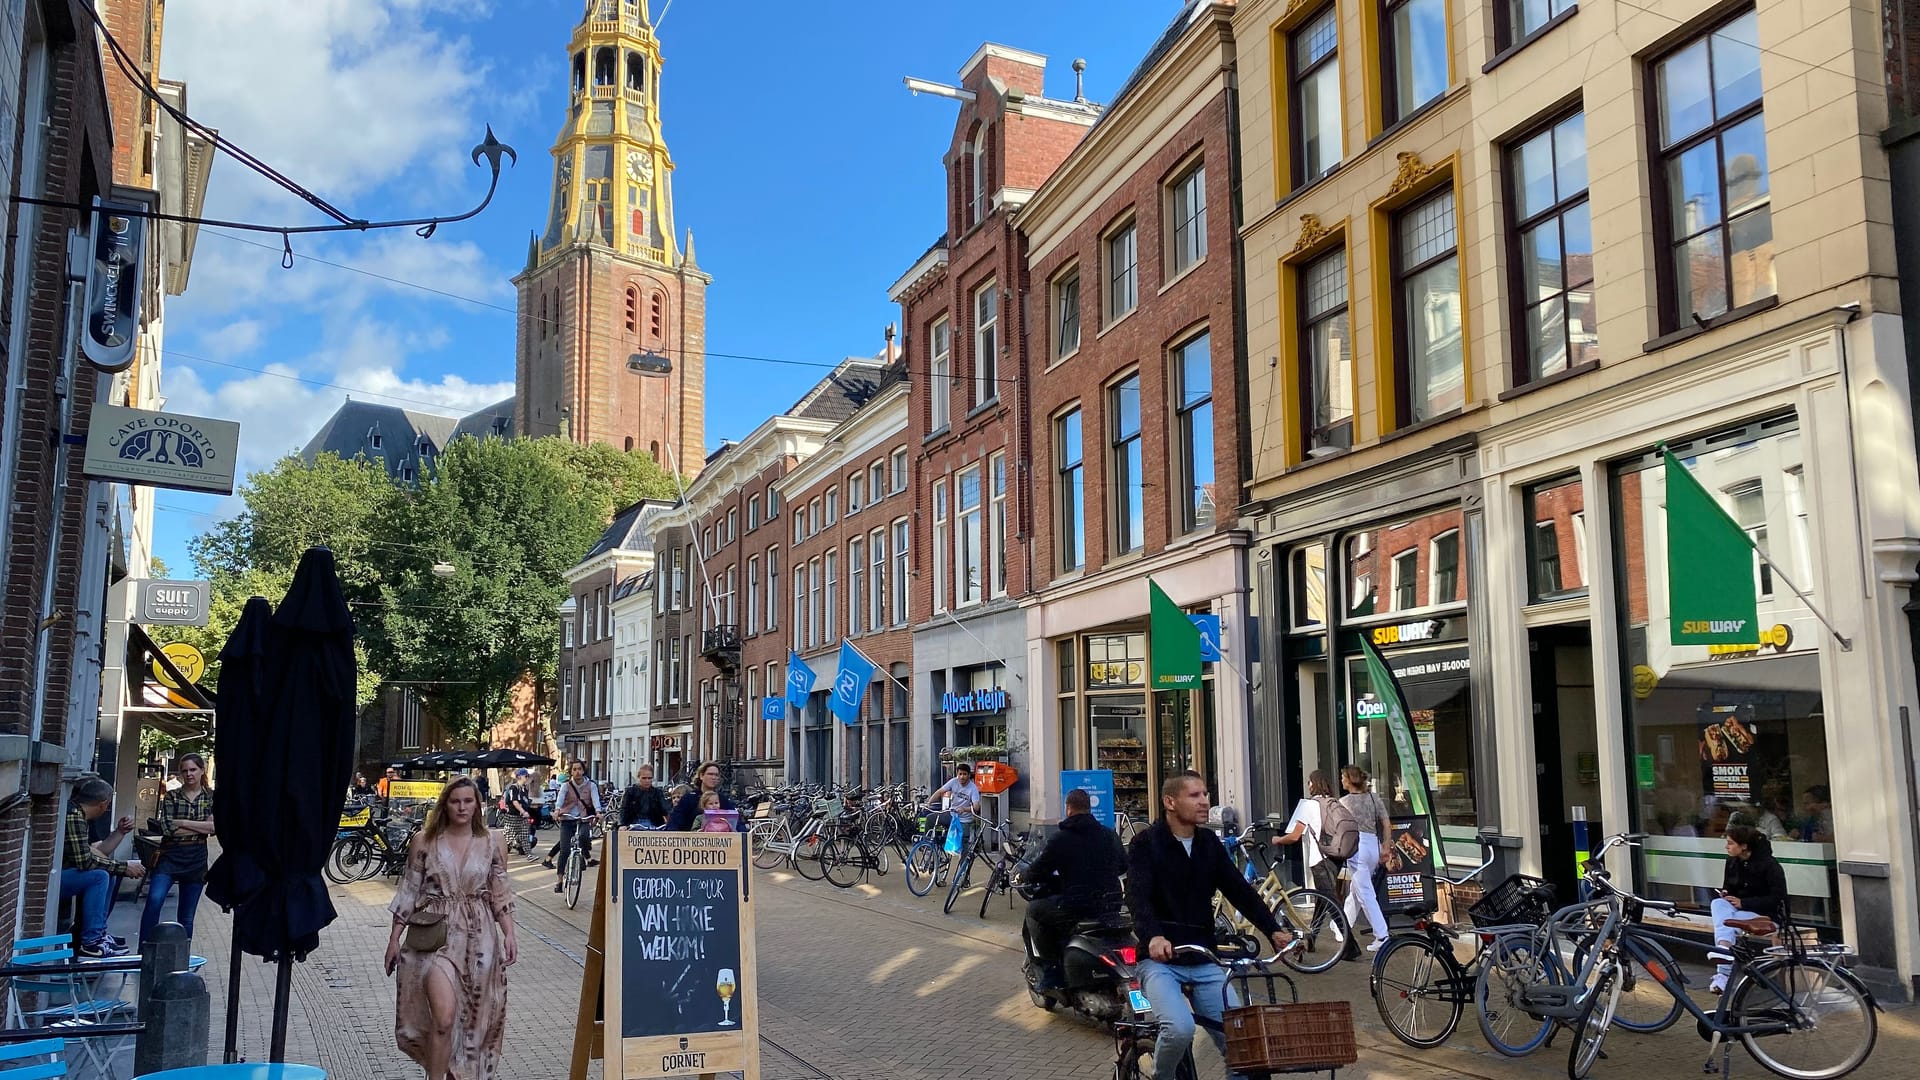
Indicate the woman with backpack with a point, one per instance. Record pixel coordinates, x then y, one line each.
1310 828
1370 813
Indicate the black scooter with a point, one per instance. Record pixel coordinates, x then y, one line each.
1094 967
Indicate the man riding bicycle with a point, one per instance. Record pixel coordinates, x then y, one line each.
1173 869
579 805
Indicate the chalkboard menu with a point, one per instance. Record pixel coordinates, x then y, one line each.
680 978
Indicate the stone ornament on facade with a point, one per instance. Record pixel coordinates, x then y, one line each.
1312 232
1412 171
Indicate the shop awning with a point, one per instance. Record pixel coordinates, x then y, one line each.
184 710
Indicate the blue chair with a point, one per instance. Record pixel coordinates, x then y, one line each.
11 1056
69 997
248 1070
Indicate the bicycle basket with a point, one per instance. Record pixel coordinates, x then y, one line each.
1312 1036
1510 902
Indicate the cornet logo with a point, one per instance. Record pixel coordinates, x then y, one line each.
1713 626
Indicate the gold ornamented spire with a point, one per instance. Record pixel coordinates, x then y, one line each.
612 183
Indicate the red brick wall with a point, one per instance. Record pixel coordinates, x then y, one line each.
78 165
1200 300
760 648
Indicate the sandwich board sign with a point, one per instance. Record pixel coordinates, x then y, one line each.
680 983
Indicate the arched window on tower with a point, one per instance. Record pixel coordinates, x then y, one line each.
603 66
657 319
629 444
543 317
580 72
633 309
654 449
636 72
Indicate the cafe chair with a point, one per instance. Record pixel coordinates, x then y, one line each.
15 1058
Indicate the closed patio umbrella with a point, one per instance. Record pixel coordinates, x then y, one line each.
239 738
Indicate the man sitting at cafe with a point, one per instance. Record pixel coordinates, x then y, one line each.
90 871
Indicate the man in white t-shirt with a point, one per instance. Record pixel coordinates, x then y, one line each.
1304 828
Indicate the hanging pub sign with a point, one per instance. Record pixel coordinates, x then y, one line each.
117 238
161 449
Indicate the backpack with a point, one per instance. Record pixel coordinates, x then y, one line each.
1339 829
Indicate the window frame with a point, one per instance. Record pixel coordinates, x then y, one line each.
1120 540
1066 311
1128 226
899 471
1184 412
1407 580
1401 274
940 374
1667 290
856 585
876 583
1069 479
1509 34
1296 105
996 524
1189 232
941 508
1393 111
1310 431
856 491
986 342
1523 300
969 536
900 597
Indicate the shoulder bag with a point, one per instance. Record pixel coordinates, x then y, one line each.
426 932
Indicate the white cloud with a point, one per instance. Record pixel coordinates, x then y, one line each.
236 272
236 338
340 95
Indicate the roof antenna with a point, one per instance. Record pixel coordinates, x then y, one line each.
1080 80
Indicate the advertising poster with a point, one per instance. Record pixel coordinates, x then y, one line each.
1407 854
1727 737
1098 784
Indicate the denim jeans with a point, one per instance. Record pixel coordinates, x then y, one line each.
159 882
93 887
1723 936
1164 985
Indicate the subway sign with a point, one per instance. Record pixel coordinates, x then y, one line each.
1425 630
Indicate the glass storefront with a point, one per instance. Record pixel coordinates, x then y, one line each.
1439 703
1143 738
1727 734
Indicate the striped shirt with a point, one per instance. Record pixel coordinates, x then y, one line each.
176 807
80 853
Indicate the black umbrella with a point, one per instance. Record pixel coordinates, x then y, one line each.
239 739
302 758
441 759
506 758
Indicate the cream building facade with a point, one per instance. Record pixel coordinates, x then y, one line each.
1496 256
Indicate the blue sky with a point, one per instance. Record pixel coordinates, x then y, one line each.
810 177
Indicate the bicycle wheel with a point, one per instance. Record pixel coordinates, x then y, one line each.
806 857
996 882
1415 987
923 862
336 866
1316 920
879 829
1590 1031
1510 966
1830 1021
840 860
576 870
958 884
1647 1003
372 857
767 852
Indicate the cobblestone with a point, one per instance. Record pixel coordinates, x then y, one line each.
863 984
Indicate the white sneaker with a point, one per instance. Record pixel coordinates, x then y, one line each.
1718 985
1377 944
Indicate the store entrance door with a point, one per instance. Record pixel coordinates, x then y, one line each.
1566 748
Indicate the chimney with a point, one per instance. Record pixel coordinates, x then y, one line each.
1080 81
890 333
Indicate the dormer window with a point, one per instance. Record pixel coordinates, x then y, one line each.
373 438
426 447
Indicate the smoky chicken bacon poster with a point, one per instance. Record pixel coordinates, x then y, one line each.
1727 735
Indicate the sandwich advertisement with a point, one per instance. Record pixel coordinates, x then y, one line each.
1727 737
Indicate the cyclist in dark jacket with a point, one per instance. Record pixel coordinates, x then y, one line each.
1079 870
1754 885
643 801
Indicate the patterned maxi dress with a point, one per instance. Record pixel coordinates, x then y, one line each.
474 894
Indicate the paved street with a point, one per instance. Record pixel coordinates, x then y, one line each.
867 984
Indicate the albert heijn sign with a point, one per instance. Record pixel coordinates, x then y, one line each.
989 700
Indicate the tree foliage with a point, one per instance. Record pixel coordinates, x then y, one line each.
507 517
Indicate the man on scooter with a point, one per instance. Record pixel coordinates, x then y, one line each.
1079 870
1173 869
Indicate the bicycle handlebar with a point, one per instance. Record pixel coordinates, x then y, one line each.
1214 958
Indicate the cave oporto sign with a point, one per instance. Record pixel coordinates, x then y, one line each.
163 450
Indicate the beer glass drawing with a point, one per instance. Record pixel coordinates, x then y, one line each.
724 987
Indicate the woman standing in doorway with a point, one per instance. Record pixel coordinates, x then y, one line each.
1375 826
186 820
452 942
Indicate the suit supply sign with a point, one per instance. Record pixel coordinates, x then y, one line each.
162 450
680 973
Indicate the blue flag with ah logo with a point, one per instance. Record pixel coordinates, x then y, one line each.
850 686
799 680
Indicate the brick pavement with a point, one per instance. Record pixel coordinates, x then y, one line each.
862 984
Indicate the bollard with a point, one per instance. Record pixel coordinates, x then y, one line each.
163 952
176 1033
1582 849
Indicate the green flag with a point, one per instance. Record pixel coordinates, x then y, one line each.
1710 580
1413 769
1173 643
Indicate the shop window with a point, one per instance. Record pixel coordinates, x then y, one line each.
1556 540
1437 683
1729 734
1714 206
1552 257
1314 52
1417 561
1307 573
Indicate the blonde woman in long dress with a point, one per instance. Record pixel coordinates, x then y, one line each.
451 1000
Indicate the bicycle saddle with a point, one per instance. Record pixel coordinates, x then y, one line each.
1757 925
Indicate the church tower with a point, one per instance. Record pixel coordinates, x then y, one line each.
607 279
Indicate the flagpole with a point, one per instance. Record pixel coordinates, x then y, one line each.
877 667
1001 660
1846 644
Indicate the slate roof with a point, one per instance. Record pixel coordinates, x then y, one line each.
624 534
840 395
1190 12
403 440
496 420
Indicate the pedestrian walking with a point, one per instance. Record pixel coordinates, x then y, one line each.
186 820
453 939
1304 828
579 805
687 816
1375 826
90 868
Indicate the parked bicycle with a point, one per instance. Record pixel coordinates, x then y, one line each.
1314 916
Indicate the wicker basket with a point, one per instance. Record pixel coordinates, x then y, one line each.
1290 1038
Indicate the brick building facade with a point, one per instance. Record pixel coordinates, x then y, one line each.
58 145
586 667
965 306
851 536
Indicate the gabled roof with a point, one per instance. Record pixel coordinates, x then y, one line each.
840 395
494 421
623 534
387 434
